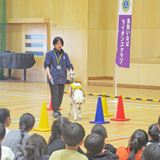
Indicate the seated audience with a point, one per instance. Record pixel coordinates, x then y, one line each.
5 152
153 132
36 148
94 144
5 118
134 150
73 135
100 129
55 140
151 152
16 138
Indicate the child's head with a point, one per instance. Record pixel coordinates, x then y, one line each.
5 117
57 127
94 143
26 124
153 132
73 134
99 129
2 134
138 140
151 152
35 148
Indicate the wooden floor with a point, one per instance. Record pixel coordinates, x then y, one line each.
21 97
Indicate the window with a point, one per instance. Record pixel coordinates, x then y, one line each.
38 45
34 37
36 53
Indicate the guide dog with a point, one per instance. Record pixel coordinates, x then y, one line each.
77 99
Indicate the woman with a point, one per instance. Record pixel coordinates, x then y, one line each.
134 150
16 138
56 64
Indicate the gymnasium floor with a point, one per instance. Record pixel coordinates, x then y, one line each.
21 97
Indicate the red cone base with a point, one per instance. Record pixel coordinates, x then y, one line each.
120 111
50 105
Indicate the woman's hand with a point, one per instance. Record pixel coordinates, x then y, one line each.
71 75
50 77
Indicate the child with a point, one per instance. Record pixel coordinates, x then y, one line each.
36 148
55 140
73 135
134 150
100 129
153 132
5 118
151 152
16 138
5 152
94 144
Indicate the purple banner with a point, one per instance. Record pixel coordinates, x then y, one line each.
124 39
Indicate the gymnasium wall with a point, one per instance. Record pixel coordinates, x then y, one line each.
71 19
103 32
89 28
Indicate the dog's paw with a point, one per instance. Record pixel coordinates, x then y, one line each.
75 118
80 117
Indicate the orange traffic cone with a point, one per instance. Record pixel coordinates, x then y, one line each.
50 105
43 123
120 111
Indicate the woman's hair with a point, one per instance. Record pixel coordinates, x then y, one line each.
4 115
138 140
57 127
2 134
99 129
56 39
35 148
153 132
94 143
26 123
151 152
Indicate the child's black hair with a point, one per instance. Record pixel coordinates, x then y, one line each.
35 148
56 39
138 140
26 123
2 134
57 127
4 115
151 152
153 132
94 143
99 129
73 134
